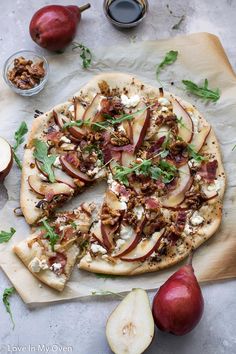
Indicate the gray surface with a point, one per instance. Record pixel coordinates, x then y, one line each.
81 324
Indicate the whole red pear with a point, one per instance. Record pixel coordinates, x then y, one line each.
178 305
53 27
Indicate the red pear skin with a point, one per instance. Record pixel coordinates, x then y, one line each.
178 305
53 27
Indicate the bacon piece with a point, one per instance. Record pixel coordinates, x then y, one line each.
181 220
208 170
123 191
128 148
69 233
59 258
151 203
54 137
109 154
176 229
156 147
73 159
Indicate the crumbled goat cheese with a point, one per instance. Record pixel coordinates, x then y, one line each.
98 249
126 232
71 108
198 177
93 172
193 163
61 219
130 102
138 211
55 267
121 129
188 229
67 147
57 162
164 101
65 139
164 109
36 265
196 219
119 243
216 186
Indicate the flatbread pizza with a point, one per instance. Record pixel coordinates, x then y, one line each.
160 158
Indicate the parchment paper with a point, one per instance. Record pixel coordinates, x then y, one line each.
200 56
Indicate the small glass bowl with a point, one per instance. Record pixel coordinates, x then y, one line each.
29 55
106 5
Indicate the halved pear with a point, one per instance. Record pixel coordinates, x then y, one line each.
140 125
130 327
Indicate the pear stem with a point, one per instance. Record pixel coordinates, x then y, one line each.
190 258
84 7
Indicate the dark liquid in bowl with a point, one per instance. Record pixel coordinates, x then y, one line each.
125 11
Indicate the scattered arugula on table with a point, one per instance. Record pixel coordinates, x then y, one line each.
202 91
169 59
85 54
5 298
41 154
19 139
50 234
234 148
6 236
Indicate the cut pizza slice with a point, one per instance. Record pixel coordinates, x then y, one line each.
50 253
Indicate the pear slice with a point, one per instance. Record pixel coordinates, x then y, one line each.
130 327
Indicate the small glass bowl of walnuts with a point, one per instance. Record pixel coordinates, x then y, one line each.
26 72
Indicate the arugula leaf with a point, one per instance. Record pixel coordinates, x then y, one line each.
51 234
19 139
164 170
202 91
41 154
234 148
6 236
170 58
5 298
85 54
194 155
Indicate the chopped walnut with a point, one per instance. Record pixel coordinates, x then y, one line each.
179 147
169 120
25 74
155 222
119 139
194 198
109 216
